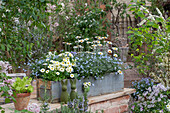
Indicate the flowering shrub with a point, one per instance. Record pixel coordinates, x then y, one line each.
141 86
33 108
96 64
56 67
151 98
4 67
152 31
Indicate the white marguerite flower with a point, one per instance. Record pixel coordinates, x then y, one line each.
68 43
77 37
94 45
86 39
61 69
71 55
75 47
98 42
58 73
109 42
109 51
120 72
100 53
45 64
88 42
100 38
64 59
52 68
47 59
89 83
81 41
72 75
0 29
115 55
115 48
47 71
104 37
100 45
42 70
168 107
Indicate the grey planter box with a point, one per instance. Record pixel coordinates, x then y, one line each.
110 83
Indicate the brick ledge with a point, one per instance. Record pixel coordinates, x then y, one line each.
97 99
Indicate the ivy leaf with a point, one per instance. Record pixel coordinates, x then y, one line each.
3 47
7 100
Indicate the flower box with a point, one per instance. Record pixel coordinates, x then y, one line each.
110 83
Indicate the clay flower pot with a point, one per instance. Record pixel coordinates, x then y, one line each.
22 101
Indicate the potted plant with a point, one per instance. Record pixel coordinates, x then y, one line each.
22 89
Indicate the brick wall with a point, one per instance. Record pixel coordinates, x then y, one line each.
116 105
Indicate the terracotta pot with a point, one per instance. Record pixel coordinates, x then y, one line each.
22 101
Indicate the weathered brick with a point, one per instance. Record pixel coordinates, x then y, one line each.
112 110
100 106
123 108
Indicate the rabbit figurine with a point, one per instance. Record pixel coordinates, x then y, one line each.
73 93
64 93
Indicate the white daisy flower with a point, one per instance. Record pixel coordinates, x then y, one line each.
99 45
45 64
68 43
100 53
47 71
72 75
120 72
109 42
100 38
61 69
81 41
86 39
77 37
57 63
71 55
115 55
94 45
52 68
58 73
75 47
115 48
89 83
104 37
47 59
42 70
109 51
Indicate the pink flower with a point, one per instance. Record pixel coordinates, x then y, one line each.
9 81
133 107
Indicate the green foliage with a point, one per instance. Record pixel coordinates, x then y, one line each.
163 71
25 31
23 85
153 32
81 19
